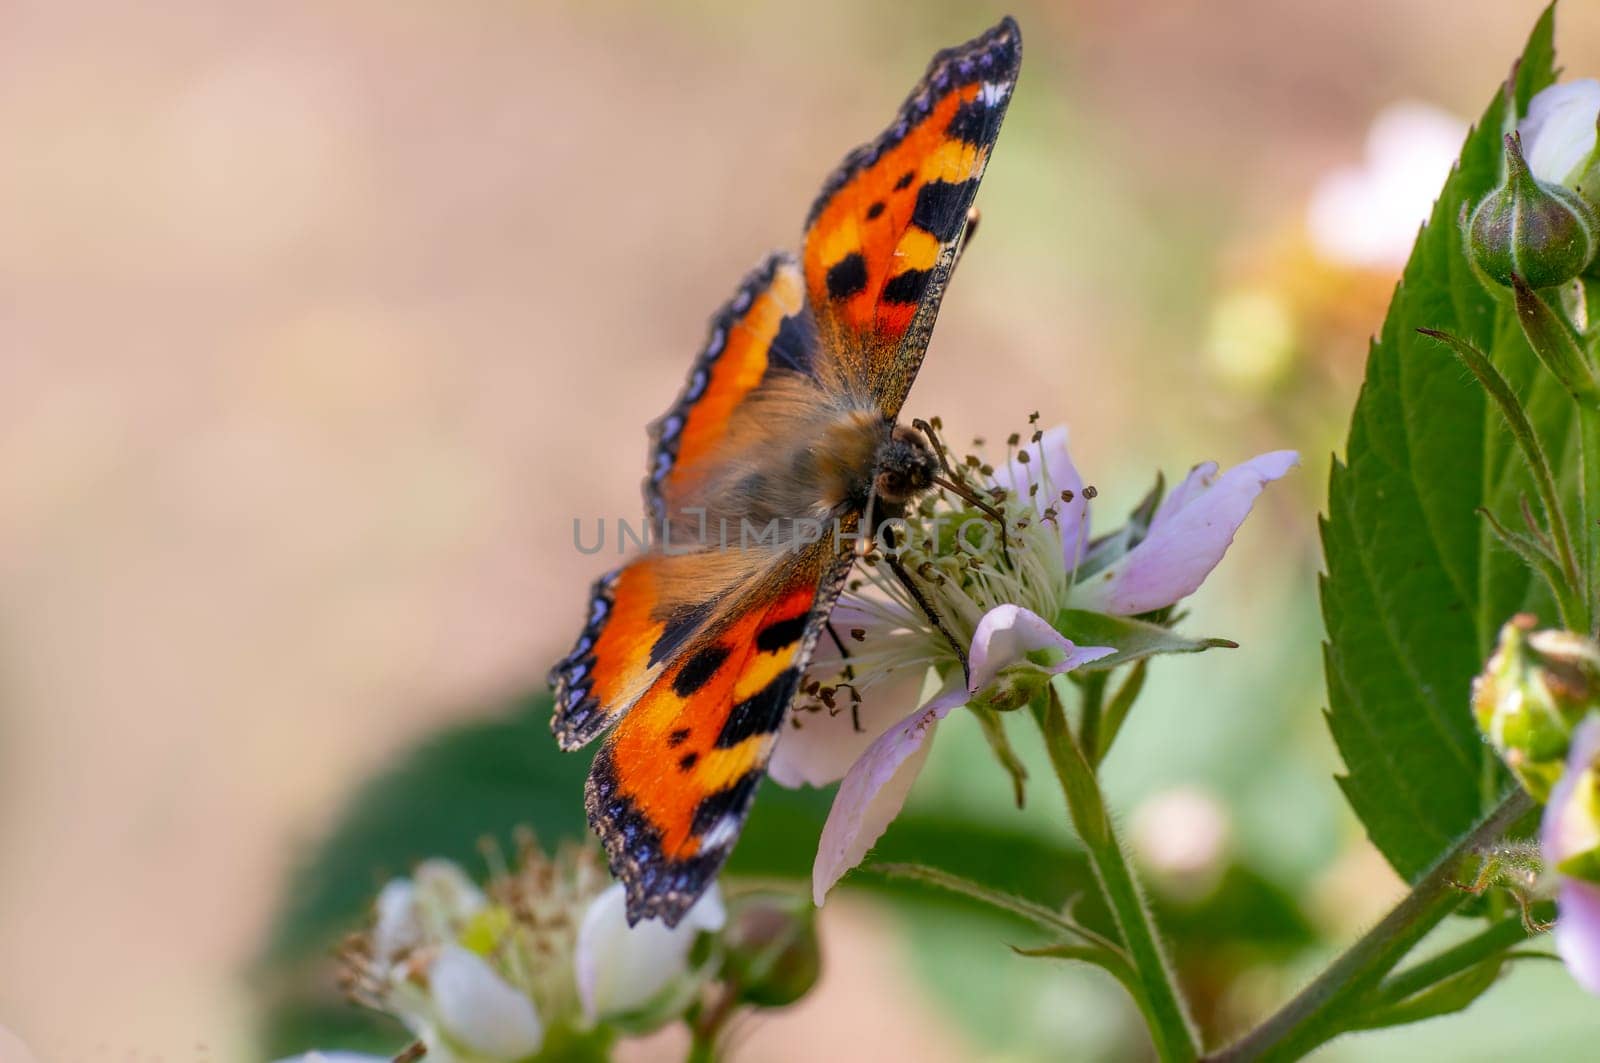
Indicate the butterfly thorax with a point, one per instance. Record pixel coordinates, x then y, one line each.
867 464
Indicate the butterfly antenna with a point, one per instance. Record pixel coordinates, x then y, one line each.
952 482
932 614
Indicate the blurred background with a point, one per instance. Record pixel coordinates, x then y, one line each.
319 324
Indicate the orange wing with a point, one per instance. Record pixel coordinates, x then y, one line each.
764 331
640 615
670 788
882 238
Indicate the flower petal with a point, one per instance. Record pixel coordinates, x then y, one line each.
1008 633
1060 474
1185 540
875 789
1578 931
397 927
445 898
479 1009
819 747
621 968
1559 132
1562 832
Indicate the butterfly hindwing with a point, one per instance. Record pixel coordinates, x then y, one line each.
882 237
670 788
639 617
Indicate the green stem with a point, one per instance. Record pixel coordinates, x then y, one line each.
1093 698
1173 1033
1322 1010
1589 510
707 1022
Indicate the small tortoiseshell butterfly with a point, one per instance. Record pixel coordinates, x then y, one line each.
695 648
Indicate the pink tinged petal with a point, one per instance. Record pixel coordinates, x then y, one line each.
822 747
1559 132
1564 831
1008 633
1072 518
481 1011
1578 932
1186 539
620 968
817 748
875 789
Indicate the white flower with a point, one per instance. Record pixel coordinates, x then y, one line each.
875 788
1002 606
480 975
1558 134
1367 215
480 1011
619 968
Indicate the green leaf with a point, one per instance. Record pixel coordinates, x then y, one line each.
1134 639
1416 582
1443 998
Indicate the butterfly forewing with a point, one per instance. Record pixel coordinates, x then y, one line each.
882 237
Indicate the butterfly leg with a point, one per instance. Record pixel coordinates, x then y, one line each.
850 677
931 613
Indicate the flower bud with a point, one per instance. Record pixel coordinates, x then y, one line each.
773 957
1544 233
1534 690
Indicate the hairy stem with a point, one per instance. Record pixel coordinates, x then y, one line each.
1589 510
1322 1010
1173 1033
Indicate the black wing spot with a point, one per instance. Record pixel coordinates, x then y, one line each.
907 287
761 713
730 802
971 123
678 737
791 348
687 761
698 670
875 210
847 276
942 208
905 180
781 633
679 626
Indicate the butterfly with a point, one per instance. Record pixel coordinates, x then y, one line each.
693 651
